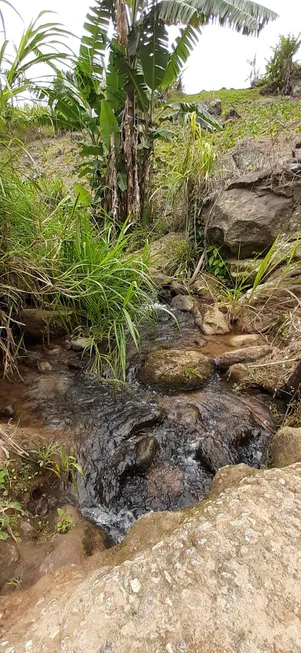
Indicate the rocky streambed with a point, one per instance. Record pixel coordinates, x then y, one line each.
153 443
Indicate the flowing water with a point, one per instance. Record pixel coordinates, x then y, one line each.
140 450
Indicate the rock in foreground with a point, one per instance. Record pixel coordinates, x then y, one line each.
223 576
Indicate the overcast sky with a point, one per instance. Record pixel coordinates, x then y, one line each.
220 59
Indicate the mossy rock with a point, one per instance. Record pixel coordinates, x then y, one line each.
176 370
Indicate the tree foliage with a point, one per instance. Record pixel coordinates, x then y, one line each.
281 70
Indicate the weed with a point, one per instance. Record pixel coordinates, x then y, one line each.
216 264
65 522
55 459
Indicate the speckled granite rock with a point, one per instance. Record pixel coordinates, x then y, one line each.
221 577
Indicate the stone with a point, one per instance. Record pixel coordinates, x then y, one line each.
238 373
183 303
146 450
81 344
207 287
38 323
44 366
285 448
232 114
215 107
196 581
176 369
244 355
212 322
251 212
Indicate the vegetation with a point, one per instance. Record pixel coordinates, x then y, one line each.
64 523
122 108
281 69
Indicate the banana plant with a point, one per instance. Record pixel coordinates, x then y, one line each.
40 43
119 103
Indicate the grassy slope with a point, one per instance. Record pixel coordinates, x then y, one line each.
273 118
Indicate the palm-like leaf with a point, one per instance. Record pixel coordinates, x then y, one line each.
94 43
153 50
243 15
182 48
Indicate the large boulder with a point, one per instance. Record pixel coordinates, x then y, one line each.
285 448
176 369
253 209
223 576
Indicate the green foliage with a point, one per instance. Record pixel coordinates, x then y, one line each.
182 171
55 459
53 252
40 43
216 264
281 69
110 105
64 523
9 510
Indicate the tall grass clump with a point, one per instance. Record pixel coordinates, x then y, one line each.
54 255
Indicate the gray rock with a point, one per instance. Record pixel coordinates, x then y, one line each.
215 107
244 355
146 450
222 576
183 303
250 213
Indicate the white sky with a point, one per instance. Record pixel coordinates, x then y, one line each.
220 59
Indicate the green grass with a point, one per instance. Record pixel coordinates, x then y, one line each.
261 117
53 254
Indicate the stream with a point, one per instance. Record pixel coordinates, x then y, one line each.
141 450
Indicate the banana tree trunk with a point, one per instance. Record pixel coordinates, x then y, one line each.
129 145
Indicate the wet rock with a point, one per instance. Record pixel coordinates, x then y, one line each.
54 351
174 369
244 355
146 451
81 344
212 321
285 448
38 323
183 303
27 530
206 573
